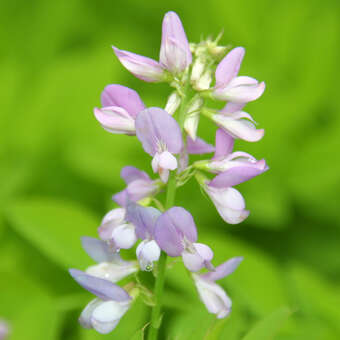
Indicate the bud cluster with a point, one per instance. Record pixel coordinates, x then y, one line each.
196 72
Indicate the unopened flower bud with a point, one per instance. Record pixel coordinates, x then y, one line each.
192 118
173 103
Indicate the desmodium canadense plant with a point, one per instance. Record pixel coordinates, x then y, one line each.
169 136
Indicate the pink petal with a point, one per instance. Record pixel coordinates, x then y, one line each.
224 144
142 67
122 96
175 52
228 68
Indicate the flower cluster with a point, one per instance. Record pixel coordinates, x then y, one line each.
169 136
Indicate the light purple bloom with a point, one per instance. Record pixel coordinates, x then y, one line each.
229 203
198 146
161 137
116 230
224 159
237 123
175 55
234 88
212 295
110 265
144 219
176 234
120 106
139 186
104 313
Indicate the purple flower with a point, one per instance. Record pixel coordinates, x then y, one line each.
176 234
212 295
120 106
231 87
104 313
144 219
161 137
117 231
110 265
224 159
198 146
229 203
237 123
139 186
175 55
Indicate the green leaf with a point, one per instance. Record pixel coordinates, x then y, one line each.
55 227
269 326
30 311
257 270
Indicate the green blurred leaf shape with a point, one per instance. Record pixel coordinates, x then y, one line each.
30 311
246 285
315 297
269 326
54 227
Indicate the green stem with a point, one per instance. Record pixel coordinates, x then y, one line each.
160 279
156 319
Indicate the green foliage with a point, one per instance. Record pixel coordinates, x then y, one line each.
268 327
59 168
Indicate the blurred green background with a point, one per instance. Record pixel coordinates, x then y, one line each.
59 168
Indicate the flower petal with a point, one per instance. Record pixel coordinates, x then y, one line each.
107 315
239 128
86 314
147 253
223 270
130 173
229 204
143 218
98 250
142 67
172 227
122 96
238 174
115 119
228 68
213 296
113 272
232 107
198 146
198 258
124 236
167 161
156 128
175 52
103 289
224 144
241 90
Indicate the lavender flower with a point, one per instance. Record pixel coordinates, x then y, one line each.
145 219
110 265
224 159
161 137
175 55
237 123
231 87
176 234
117 231
104 313
120 108
139 186
212 295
